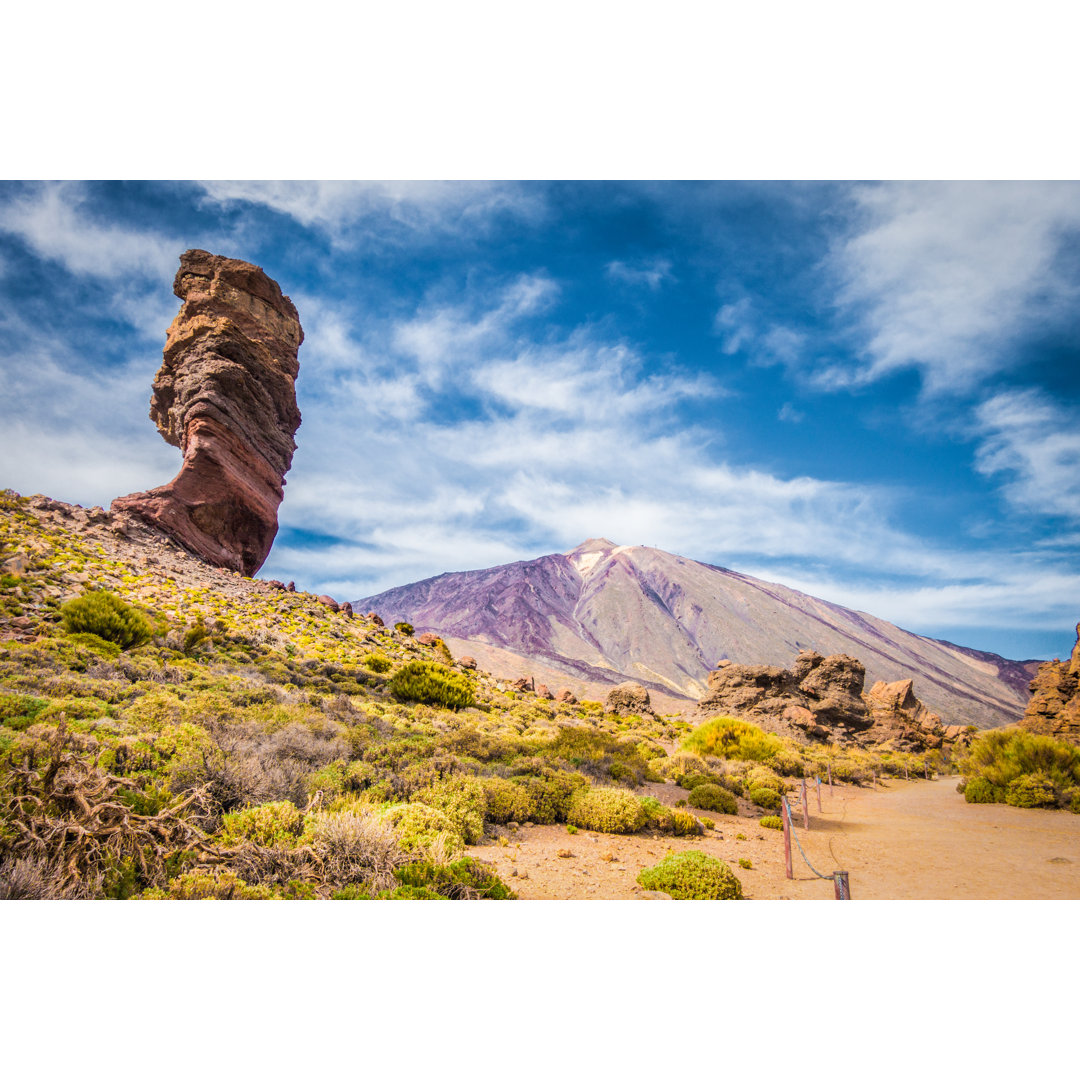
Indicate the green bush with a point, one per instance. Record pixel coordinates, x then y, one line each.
760 777
746 864
223 885
18 711
671 819
432 684
713 797
606 810
419 826
692 875
270 825
404 628
462 800
600 754
764 797
465 879
506 801
725 737
1031 790
980 790
1020 768
377 662
107 616
771 822
550 795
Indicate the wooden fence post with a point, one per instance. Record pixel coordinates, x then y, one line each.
818 778
787 837
926 770
805 806
841 889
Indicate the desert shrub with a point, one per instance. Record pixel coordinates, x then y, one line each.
550 795
405 628
760 777
689 781
355 847
410 892
764 797
746 864
462 800
420 826
506 801
465 879
770 821
271 824
1073 795
788 762
191 755
19 711
573 830
377 662
713 797
725 737
606 810
222 885
195 635
352 892
670 819
979 790
600 755
431 683
692 875
107 616
1022 769
1030 790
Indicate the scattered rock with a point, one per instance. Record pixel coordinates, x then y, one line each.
566 695
291 587
273 583
225 394
330 602
375 619
467 662
543 692
523 684
427 639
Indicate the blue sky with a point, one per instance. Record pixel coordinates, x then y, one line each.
867 391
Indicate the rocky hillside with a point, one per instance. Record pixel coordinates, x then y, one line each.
602 613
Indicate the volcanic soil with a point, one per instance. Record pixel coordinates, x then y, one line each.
916 840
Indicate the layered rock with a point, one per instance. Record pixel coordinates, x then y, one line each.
225 394
1054 708
822 698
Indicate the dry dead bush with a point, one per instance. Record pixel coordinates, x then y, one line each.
35 879
356 848
70 818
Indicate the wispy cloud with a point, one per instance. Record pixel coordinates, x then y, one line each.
54 221
944 277
416 206
650 273
1034 442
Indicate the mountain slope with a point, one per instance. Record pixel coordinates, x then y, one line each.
603 613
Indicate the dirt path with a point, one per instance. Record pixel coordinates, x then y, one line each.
901 841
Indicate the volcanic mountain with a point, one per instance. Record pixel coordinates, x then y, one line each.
603 613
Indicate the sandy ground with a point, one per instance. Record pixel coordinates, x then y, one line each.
900 841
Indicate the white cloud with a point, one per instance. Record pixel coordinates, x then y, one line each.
53 221
1036 443
651 273
943 277
416 205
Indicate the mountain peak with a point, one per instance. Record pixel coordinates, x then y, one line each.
592 545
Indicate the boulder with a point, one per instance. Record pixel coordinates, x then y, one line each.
543 692
468 662
427 639
330 602
628 699
566 696
375 619
226 395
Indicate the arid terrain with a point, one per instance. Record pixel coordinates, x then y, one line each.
914 840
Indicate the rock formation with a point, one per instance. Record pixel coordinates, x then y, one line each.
225 394
822 698
1054 708
629 699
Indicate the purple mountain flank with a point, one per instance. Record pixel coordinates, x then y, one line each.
602 613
